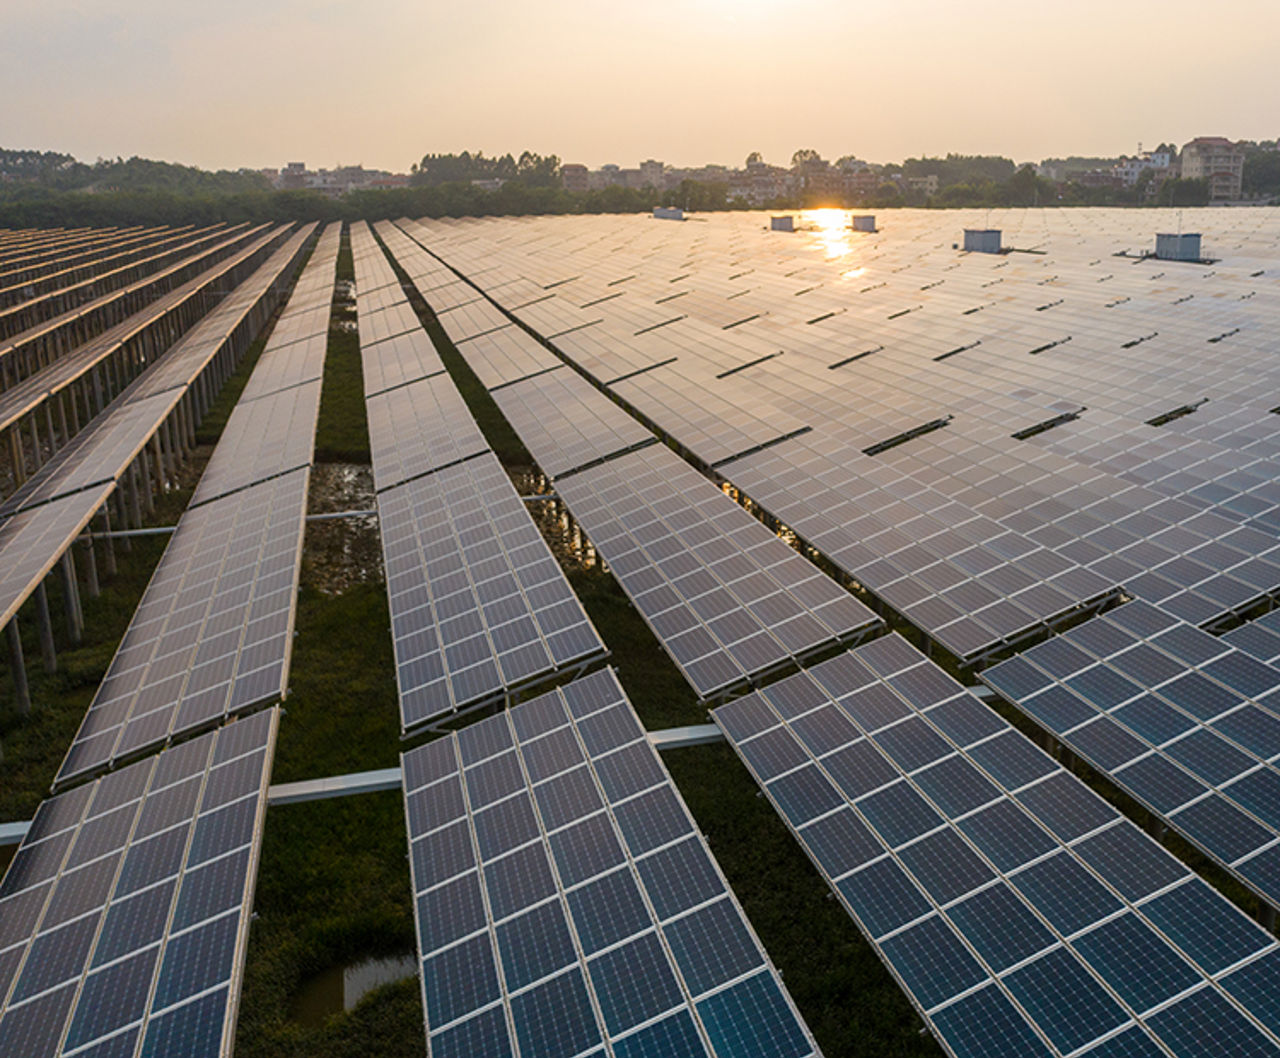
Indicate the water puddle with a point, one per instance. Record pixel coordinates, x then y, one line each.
342 987
562 533
342 552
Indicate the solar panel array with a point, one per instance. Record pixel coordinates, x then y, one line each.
988 442
479 605
125 913
213 633
727 599
1177 718
1019 911
1260 637
566 903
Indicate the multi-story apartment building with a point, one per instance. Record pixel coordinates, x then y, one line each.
1218 161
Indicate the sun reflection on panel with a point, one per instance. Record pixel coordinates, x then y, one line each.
832 226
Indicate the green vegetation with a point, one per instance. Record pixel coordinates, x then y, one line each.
342 434
532 170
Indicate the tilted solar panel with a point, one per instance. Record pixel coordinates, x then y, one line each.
124 915
479 604
566 903
1019 911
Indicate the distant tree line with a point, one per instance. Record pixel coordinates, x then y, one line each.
530 169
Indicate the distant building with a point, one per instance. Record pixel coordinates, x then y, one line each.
927 184
1217 161
760 182
334 182
575 177
862 182
1128 170
490 184
653 174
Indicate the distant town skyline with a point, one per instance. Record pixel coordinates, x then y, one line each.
257 84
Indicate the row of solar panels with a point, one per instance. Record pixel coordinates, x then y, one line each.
124 915
479 605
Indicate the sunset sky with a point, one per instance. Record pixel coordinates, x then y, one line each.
262 82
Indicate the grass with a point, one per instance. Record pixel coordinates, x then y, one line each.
342 434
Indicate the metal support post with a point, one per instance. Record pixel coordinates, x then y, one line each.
47 651
16 664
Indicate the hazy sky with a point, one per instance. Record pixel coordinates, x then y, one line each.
229 83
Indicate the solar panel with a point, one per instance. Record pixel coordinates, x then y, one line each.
726 598
506 356
479 604
565 901
565 422
124 915
1175 717
1018 910
420 427
262 438
398 361
213 633
32 541
1260 637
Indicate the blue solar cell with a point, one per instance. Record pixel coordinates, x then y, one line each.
859 768
883 897
1012 760
899 813
1066 806
1065 893
751 1019
987 1025
450 912
956 786
555 1018
567 797
1256 986
484 1036
1106 745
965 720
652 819
1209 756
1258 731
519 880
607 909
534 945
945 866
586 849
193 1030
1007 835
840 842
1016 678
1150 718
679 877
628 771
804 794
1244 674
1199 696
1160 783
673 1037
196 960
442 855
773 753
505 826
1222 828
912 744
1001 927
1133 960
634 983
1131 1043
1208 1015
1130 861
112 998
1212 932
711 946
460 980
1058 709
824 730
1066 1002
932 962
